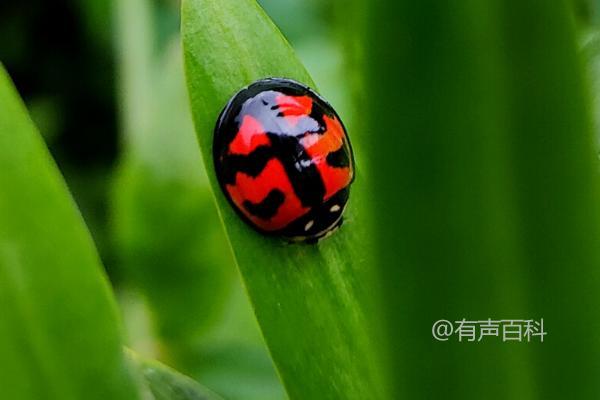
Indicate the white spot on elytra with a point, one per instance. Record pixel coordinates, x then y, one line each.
335 208
308 225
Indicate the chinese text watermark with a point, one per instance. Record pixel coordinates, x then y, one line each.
508 330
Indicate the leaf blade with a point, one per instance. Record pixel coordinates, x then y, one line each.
59 323
492 174
167 384
319 290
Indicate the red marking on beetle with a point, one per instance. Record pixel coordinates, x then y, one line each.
250 136
318 146
294 105
273 176
294 108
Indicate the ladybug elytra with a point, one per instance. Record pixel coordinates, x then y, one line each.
283 159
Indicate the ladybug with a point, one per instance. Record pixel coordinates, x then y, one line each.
283 160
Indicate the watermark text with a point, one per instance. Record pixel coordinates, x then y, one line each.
507 330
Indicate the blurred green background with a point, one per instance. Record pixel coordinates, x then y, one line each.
103 81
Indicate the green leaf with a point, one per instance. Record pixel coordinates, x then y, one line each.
590 53
169 239
489 161
167 234
166 384
59 333
310 300
557 192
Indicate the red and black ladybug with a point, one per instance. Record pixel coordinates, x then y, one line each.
284 160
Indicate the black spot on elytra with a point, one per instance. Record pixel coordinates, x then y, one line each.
302 173
268 207
251 164
338 158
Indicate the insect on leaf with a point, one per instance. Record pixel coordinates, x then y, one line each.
310 300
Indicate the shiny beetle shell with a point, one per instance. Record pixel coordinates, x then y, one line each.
283 159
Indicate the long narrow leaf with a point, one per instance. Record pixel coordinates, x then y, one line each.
59 333
309 299
487 157
169 239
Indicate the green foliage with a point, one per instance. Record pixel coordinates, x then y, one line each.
556 176
163 383
486 195
590 51
309 300
59 334
168 236
476 197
